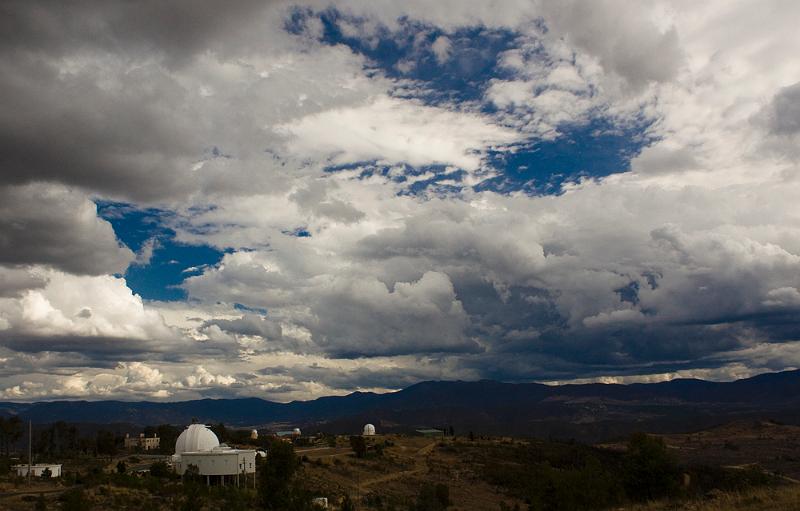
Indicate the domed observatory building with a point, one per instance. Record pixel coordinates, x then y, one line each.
198 446
369 430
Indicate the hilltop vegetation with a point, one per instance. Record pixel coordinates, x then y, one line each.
414 473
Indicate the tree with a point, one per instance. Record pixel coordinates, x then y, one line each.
106 443
192 473
121 467
347 504
275 476
359 446
159 469
221 432
168 435
47 473
650 470
10 432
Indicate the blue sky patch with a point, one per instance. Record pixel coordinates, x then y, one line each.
594 150
171 262
407 53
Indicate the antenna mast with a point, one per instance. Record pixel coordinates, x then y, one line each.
30 443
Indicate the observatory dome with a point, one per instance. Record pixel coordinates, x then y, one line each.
369 430
196 437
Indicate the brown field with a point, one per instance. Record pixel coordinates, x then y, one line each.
773 447
397 476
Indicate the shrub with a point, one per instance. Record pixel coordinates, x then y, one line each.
74 500
159 469
650 470
359 446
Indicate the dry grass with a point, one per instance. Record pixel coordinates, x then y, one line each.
783 498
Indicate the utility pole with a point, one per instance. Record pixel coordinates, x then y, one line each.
30 449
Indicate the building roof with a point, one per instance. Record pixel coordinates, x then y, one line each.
196 438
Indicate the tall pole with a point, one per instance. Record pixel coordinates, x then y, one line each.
30 443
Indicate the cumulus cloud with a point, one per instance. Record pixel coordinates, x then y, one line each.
56 226
622 35
82 314
309 162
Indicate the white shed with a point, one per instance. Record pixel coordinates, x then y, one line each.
38 469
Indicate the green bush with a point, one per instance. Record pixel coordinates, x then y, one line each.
650 470
160 469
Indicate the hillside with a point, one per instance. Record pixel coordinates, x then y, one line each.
590 412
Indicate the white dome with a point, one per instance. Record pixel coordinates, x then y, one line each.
196 437
369 430
296 431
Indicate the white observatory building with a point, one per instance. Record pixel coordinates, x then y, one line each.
369 430
199 446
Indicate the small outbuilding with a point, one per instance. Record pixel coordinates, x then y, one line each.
369 430
39 469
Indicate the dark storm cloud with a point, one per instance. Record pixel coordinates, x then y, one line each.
86 104
785 118
361 377
14 281
177 29
92 348
41 224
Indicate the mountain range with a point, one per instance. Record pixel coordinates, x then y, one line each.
590 412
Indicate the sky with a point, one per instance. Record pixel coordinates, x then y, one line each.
296 199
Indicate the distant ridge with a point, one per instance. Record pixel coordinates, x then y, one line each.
586 411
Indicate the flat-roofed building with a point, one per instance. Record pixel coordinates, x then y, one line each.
142 442
39 469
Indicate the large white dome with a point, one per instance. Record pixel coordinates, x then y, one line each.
196 437
369 430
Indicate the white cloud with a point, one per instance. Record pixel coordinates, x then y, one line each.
84 306
393 130
684 258
441 49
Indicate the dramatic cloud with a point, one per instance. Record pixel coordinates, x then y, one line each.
43 224
296 199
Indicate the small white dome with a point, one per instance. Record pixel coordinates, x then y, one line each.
296 431
254 435
196 437
369 430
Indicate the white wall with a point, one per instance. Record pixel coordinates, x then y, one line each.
36 470
218 463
